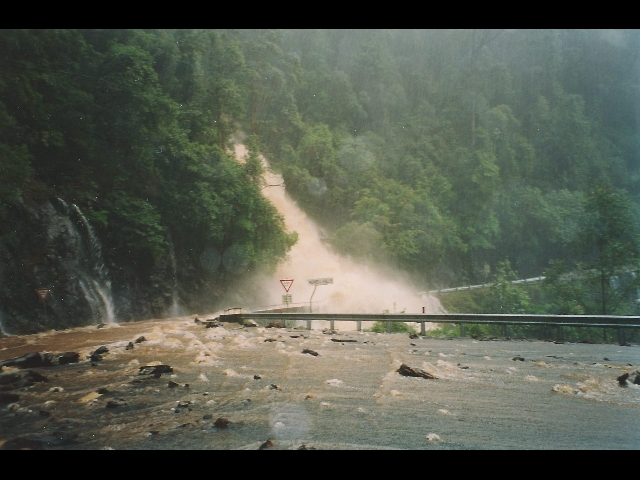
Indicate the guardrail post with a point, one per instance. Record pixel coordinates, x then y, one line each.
559 333
308 324
331 325
423 330
388 326
463 330
507 331
359 325
621 337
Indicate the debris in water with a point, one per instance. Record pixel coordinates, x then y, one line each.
433 437
155 370
276 325
140 339
265 445
343 340
515 359
6 398
310 352
414 335
116 403
129 346
622 380
221 422
407 371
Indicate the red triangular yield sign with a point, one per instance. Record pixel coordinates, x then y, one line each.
286 283
42 293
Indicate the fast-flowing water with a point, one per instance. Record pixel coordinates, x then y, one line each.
308 389
356 287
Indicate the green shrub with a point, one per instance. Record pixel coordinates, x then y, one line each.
396 327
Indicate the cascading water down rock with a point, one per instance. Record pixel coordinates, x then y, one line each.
86 256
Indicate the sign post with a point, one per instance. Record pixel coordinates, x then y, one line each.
315 282
286 299
43 293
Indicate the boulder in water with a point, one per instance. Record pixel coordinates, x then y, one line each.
407 371
155 370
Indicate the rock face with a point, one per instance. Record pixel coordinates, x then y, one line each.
53 245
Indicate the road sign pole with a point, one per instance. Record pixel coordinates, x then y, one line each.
311 299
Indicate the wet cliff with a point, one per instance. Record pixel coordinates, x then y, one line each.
51 245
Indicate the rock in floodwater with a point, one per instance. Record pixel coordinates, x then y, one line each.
39 442
622 380
7 398
129 346
266 445
310 352
45 359
222 423
120 402
414 336
96 356
407 371
15 380
155 370
276 325
140 339
517 358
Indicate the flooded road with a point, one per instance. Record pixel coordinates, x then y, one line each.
234 387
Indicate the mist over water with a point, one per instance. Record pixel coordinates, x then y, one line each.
356 288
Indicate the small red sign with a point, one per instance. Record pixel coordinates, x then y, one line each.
43 293
286 283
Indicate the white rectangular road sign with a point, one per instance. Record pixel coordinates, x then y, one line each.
321 281
287 298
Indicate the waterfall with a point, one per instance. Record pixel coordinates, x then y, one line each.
176 310
2 327
93 276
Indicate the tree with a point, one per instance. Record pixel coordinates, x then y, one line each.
607 243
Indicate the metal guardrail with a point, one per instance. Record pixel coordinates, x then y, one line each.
474 287
507 320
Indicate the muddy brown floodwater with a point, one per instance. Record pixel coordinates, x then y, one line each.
234 387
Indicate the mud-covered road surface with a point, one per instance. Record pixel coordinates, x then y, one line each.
235 387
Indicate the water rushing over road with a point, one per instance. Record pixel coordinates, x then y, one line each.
488 394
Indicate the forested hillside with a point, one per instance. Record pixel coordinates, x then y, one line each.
443 152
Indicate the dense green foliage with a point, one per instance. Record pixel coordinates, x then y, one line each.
442 152
132 126
449 151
